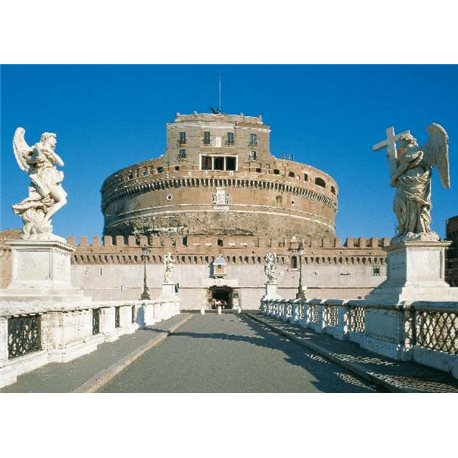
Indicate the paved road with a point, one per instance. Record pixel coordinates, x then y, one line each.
231 353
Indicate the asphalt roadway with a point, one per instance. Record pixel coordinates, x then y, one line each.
232 353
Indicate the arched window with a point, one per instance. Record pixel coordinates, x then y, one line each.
320 182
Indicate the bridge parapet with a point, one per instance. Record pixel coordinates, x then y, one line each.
424 332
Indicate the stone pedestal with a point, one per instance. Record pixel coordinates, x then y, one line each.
168 291
147 315
271 292
416 272
41 270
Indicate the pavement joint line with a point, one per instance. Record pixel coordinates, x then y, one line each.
105 376
352 367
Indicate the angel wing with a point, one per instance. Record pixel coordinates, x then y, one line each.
436 152
21 148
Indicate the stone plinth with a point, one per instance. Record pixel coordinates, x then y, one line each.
416 271
41 269
168 291
271 292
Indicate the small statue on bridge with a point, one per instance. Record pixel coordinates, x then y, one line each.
169 268
411 169
46 195
271 267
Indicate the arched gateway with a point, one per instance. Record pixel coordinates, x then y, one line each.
221 296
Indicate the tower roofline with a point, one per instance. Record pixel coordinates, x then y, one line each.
219 117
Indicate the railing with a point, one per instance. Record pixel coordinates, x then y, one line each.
24 335
117 317
435 329
95 321
357 319
331 316
426 332
34 335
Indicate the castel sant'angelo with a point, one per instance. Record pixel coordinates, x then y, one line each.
219 178
219 197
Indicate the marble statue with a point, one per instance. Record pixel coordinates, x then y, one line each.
270 267
411 169
169 267
46 195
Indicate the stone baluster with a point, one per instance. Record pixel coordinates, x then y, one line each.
3 341
343 321
8 375
293 318
107 323
309 314
304 310
125 316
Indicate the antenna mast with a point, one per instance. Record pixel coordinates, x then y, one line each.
220 110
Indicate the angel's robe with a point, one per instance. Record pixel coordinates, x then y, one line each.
412 202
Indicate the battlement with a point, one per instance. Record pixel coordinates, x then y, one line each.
226 242
235 250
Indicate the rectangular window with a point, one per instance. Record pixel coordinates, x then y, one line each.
376 271
253 140
206 163
206 138
230 138
253 156
181 154
182 138
219 163
230 163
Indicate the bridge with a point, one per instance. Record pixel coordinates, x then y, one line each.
231 352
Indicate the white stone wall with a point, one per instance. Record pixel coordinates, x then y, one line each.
125 281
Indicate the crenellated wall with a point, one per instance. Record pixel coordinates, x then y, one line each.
235 250
111 268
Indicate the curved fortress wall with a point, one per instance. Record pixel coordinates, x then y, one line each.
218 177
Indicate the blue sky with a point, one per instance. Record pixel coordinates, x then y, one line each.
329 116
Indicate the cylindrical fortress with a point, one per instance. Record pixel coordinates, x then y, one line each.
218 177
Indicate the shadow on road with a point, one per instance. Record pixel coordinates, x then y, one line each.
327 376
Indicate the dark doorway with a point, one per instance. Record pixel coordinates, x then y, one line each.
220 295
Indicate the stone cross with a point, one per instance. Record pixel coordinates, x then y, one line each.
390 142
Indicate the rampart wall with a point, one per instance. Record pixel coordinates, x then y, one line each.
112 268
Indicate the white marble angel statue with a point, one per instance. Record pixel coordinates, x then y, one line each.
46 195
411 169
169 267
270 267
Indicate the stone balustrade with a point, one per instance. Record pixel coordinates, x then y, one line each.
424 332
33 335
